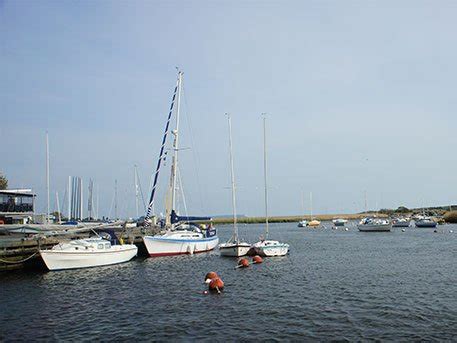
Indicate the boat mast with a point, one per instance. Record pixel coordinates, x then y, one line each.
265 172
136 191
58 207
162 148
174 164
311 204
47 177
115 199
232 175
69 198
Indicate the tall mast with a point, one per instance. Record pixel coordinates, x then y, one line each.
366 203
136 191
69 198
232 175
174 166
58 207
311 204
47 177
265 172
162 148
115 199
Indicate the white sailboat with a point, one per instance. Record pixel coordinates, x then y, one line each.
313 222
266 247
86 253
180 236
234 247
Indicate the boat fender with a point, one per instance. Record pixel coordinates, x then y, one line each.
257 259
216 285
243 263
209 276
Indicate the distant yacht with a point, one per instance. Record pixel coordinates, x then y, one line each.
234 247
401 222
425 222
339 222
302 223
374 225
266 247
313 222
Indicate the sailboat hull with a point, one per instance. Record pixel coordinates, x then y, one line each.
167 246
269 249
59 260
233 249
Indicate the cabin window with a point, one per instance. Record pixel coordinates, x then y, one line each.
100 246
107 245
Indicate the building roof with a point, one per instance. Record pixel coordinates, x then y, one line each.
23 192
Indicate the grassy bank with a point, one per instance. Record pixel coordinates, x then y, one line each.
292 219
451 217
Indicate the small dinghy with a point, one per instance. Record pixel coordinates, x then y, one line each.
86 253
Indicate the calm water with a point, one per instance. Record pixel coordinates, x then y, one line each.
333 285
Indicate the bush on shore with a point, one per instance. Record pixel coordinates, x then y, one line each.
451 217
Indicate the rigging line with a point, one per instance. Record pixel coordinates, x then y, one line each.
182 193
64 201
194 152
141 191
111 207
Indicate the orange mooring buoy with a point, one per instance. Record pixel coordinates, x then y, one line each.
216 284
257 259
209 276
243 263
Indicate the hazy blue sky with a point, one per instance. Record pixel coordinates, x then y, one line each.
360 96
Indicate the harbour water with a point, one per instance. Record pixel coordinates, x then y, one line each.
334 284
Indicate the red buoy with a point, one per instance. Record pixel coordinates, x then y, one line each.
243 263
209 276
257 259
216 285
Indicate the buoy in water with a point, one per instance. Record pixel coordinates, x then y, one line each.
346 229
216 285
450 231
435 231
209 276
257 259
243 263
403 230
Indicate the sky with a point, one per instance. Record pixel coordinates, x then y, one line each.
359 96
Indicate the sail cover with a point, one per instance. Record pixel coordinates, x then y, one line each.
176 219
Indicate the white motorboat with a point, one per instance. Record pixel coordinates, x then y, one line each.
401 222
270 248
302 223
339 222
374 225
85 253
425 222
267 247
234 247
183 239
180 235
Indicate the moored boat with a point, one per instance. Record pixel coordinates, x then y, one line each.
302 223
339 222
401 222
374 225
86 253
425 222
